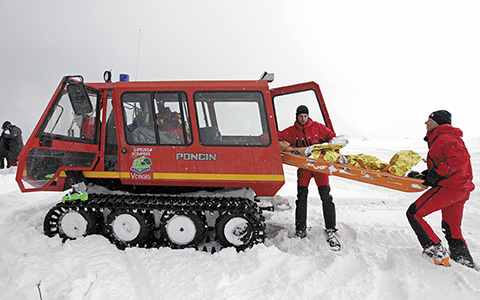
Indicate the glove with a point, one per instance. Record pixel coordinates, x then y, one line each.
432 178
415 174
339 140
309 150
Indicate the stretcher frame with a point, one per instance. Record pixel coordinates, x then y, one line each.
383 179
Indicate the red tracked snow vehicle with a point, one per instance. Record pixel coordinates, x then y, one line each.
157 141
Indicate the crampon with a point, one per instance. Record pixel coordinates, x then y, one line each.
438 254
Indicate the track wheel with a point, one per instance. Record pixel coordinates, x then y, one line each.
235 229
183 229
69 223
128 227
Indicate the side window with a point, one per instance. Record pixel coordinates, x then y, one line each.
138 119
232 118
172 118
156 118
66 122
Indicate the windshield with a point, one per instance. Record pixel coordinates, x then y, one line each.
72 117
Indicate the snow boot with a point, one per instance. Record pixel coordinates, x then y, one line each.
301 212
300 234
458 248
459 253
438 254
332 240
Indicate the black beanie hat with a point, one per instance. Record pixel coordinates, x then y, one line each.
302 109
6 125
441 117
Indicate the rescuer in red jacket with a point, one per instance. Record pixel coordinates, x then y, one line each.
450 177
306 132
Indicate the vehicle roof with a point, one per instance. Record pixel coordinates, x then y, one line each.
204 84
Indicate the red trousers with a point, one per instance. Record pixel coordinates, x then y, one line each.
304 177
450 202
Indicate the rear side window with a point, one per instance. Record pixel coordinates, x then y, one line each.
232 118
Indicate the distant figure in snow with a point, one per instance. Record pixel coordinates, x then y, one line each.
12 143
449 175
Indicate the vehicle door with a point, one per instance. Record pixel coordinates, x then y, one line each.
66 137
155 124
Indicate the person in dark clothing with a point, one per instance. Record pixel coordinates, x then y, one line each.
3 152
449 176
13 142
306 132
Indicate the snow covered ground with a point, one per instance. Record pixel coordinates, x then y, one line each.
380 259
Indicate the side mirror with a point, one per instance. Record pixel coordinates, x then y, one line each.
79 99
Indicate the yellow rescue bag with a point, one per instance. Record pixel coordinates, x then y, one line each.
402 161
399 164
365 161
327 152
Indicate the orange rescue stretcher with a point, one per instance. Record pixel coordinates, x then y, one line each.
383 179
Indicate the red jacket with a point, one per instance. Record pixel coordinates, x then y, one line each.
449 157
309 134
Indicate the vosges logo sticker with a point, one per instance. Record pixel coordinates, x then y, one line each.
141 165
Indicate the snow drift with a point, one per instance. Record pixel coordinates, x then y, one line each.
380 258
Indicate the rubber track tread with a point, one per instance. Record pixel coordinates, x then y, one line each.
171 203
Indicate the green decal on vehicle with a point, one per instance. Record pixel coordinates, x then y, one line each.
141 164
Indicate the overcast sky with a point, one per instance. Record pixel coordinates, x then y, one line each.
383 66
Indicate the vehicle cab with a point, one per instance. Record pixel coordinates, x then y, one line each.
160 135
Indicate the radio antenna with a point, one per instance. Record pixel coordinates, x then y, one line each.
138 53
